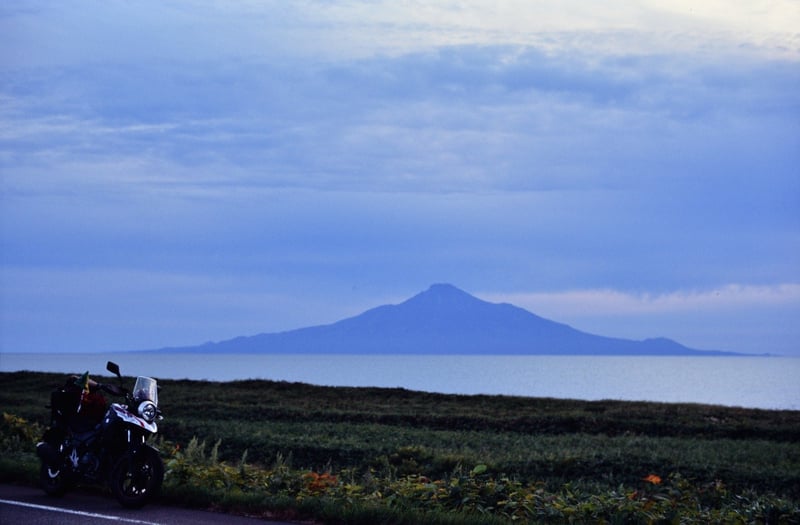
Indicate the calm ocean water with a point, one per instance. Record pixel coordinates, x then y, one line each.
758 382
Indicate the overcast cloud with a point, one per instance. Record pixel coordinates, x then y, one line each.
178 172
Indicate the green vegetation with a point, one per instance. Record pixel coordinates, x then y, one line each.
369 455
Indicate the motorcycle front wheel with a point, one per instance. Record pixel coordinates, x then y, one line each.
53 480
136 478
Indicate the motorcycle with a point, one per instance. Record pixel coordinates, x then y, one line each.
89 443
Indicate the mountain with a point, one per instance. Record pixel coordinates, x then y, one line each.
444 320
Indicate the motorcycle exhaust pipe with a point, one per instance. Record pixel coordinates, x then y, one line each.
47 453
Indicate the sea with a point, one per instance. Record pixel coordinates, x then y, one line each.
753 382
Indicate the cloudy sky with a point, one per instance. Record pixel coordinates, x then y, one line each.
177 172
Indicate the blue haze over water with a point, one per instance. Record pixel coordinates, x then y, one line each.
757 382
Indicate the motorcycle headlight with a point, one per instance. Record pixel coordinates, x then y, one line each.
148 411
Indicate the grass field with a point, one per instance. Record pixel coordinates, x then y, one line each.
366 455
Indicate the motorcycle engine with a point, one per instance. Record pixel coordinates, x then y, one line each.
89 464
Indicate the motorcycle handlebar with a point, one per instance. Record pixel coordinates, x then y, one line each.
114 390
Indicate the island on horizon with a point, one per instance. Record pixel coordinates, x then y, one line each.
446 320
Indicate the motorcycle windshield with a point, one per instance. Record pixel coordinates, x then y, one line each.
145 389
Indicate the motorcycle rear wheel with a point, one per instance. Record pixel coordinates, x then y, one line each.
53 480
136 478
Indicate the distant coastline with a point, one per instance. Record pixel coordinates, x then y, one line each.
753 382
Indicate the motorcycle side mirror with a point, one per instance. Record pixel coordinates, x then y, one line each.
113 368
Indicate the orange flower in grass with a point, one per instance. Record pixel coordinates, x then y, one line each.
318 483
652 478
